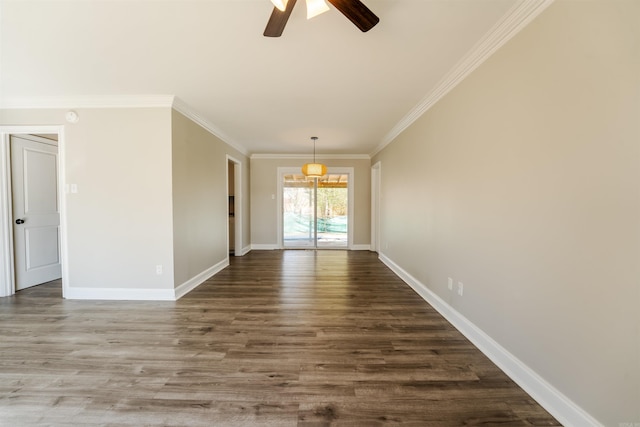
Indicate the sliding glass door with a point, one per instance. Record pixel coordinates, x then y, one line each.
315 213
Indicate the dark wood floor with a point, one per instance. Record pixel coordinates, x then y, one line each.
293 338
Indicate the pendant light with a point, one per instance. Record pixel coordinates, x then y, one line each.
314 170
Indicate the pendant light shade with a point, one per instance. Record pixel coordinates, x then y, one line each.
314 170
316 7
280 4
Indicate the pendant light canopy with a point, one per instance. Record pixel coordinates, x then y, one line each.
314 170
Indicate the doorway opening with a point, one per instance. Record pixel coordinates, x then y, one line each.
32 216
316 213
234 196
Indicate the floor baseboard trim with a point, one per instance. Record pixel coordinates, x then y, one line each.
360 247
263 247
120 294
558 405
199 279
245 250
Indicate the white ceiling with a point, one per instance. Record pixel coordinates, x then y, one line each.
323 77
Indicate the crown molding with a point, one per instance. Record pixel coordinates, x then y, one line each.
518 17
118 101
308 156
102 101
182 107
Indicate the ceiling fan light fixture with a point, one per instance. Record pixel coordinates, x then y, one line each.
359 14
280 4
316 7
314 170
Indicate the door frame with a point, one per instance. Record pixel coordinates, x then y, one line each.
282 171
376 180
237 208
7 270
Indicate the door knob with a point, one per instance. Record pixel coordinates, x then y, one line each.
19 221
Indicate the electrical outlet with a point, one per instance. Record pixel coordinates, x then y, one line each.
158 269
460 288
450 284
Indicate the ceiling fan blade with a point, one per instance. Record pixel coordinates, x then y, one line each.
357 13
278 20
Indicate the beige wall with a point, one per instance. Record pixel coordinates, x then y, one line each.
119 223
264 185
200 203
524 184
152 190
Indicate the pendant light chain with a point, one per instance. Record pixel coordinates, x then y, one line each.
314 147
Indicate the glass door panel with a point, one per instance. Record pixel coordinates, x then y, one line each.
333 201
298 200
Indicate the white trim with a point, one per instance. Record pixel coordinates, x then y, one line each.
98 101
279 214
360 247
351 185
560 406
308 157
238 208
146 294
264 247
6 249
64 248
120 101
245 250
508 26
6 243
376 182
121 294
182 107
199 279
237 200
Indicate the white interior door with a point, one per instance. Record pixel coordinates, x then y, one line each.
36 213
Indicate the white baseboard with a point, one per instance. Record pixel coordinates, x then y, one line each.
197 280
264 247
560 406
244 251
360 247
120 294
271 247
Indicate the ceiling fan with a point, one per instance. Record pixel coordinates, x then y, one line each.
354 10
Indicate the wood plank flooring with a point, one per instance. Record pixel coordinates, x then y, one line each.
279 338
